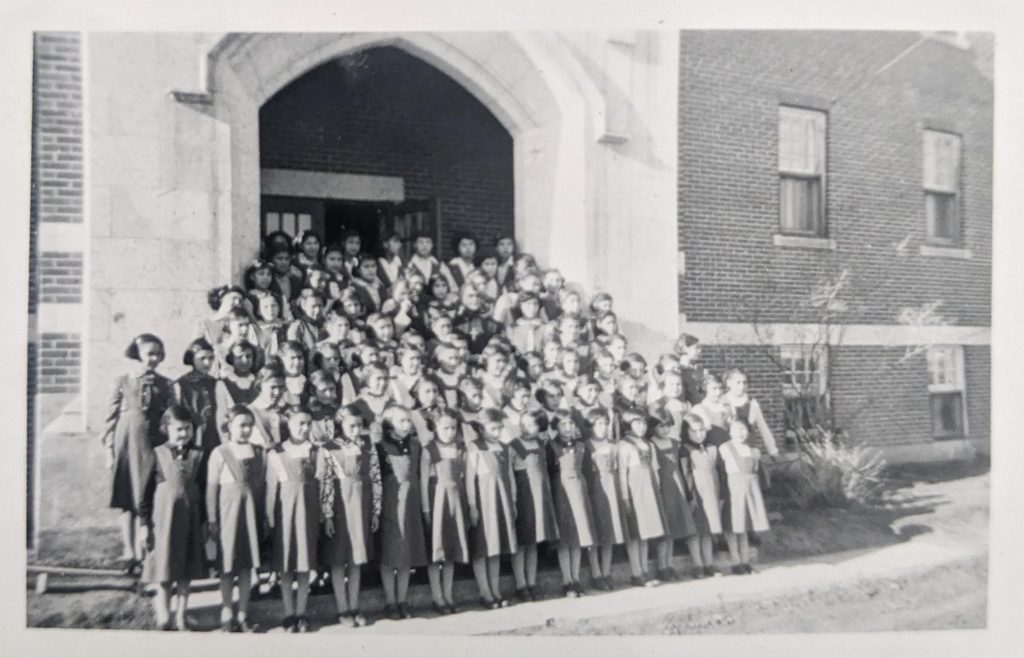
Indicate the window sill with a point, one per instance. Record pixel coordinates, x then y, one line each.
945 252
803 242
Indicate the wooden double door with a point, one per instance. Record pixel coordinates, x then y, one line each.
374 220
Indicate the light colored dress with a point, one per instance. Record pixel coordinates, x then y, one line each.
746 510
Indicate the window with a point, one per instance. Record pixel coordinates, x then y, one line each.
804 385
802 171
942 187
946 391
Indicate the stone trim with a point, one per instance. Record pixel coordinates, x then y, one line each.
803 242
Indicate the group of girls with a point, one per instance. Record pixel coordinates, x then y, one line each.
343 409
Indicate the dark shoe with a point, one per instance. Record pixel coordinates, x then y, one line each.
403 611
488 605
166 626
301 625
636 581
697 573
737 570
391 612
711 572
532 594
578 589
606 584
440 610
228 626
569 592
243 626
747 569
358 619
288 624
451 608
522 594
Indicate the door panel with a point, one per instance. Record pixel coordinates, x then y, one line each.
409 218
292 215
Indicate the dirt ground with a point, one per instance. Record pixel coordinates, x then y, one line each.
948 508
950 597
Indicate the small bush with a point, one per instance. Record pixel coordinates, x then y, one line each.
829 472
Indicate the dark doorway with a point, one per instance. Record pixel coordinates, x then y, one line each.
363 216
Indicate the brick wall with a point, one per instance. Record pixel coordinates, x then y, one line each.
731 85
879 394
391 114
56 277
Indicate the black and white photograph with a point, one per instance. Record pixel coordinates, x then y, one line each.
665 331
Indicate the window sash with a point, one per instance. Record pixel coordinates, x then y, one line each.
941 162
801 141
800 205
942 211
945 368
805 370
947 412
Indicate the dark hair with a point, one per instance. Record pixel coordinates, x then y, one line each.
272 370
483 255
255 351
250 272
196 346
179 413
132 351
277 239
527 297
294 410
539 416
463 235
215 295
233 412
686 340
491 415
351 233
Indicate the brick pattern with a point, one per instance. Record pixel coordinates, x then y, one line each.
879 394
978 380
55 277
57 117
395 115
731 84
59 362
61 277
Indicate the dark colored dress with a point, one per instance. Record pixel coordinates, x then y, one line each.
172 507
535 518
196 391
348 500
640 491
679 522
235 502
605 492
293 505
402 538
448 537
133 422
572 502
227 393
488 473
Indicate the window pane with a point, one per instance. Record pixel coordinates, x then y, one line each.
947 415
305 222
800 205
941 161
288 223
801 141
943 218
273 222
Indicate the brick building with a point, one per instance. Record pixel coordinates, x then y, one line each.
804 155
160 159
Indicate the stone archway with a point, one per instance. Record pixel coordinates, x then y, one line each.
520 84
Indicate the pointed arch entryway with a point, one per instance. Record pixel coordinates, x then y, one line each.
520 79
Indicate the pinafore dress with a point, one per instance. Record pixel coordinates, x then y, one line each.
746 505
569 486
448 537
704 470
610 525
348 494
495 534
679 522
173 502
640 492
136 407
535 517
293 503
235 502
402 538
